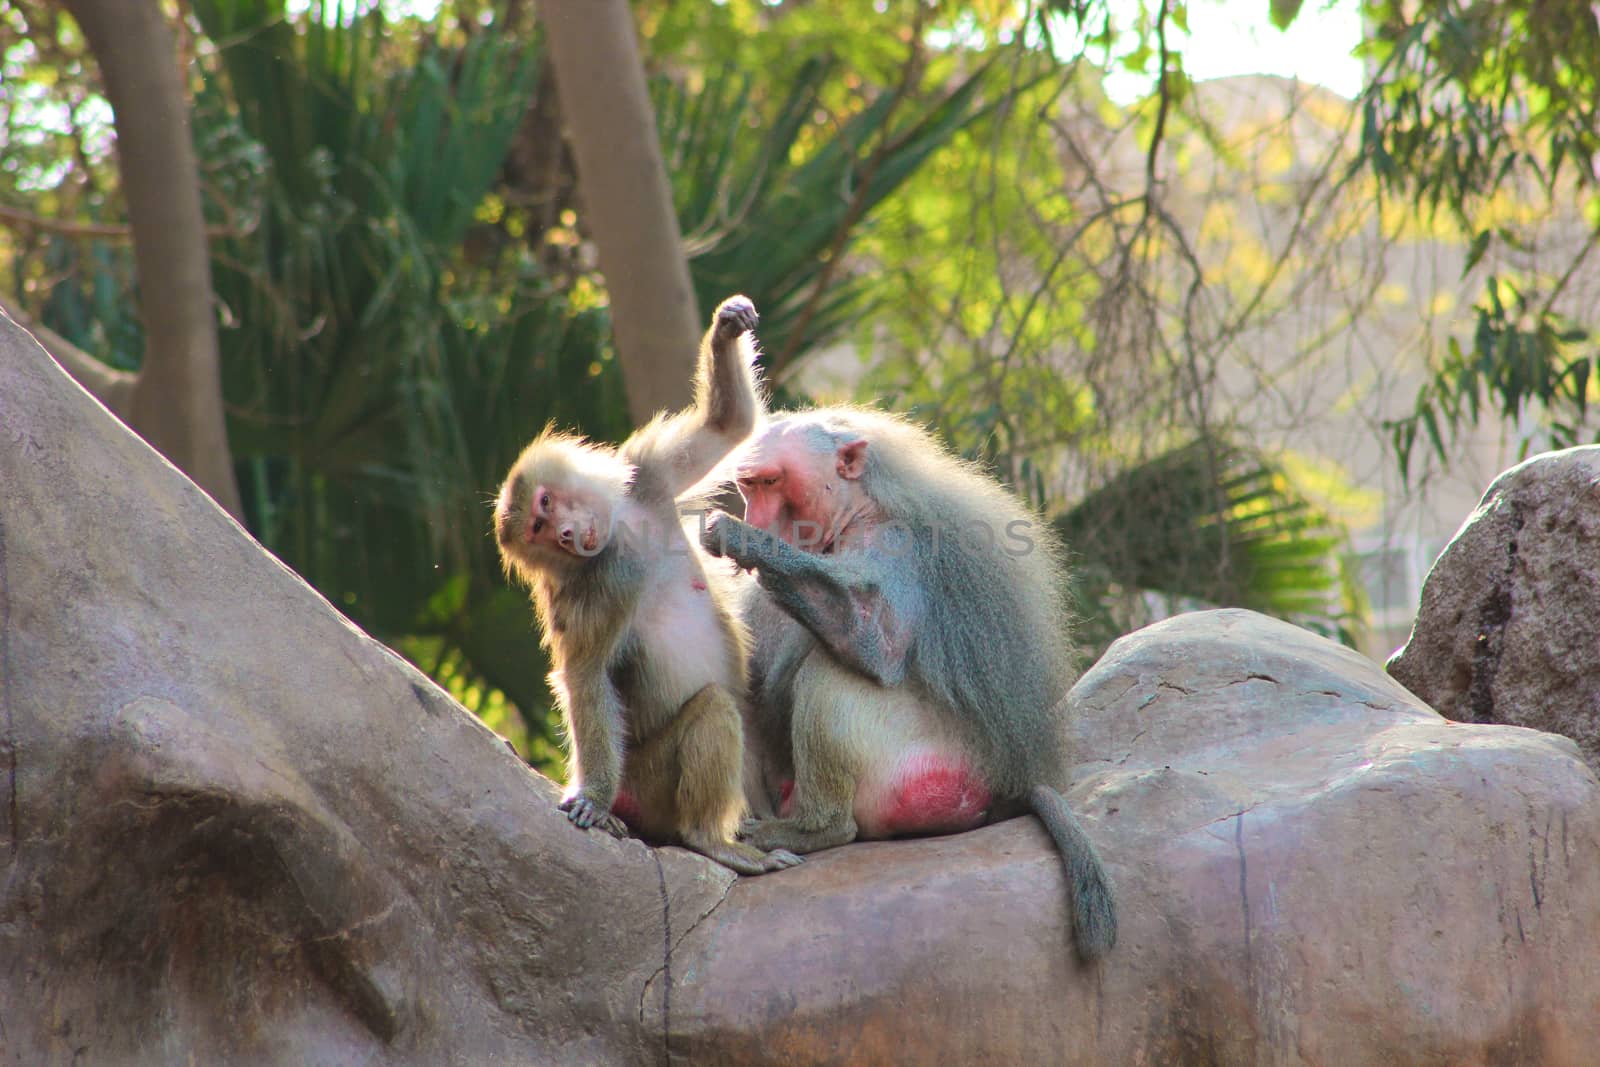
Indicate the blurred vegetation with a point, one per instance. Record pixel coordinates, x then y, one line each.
1140 534
407 294
1486 115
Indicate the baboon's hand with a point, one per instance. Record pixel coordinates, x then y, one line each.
735 315
714 533
730 538
584 813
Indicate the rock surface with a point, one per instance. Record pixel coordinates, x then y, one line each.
238 831
1313 868
1509 626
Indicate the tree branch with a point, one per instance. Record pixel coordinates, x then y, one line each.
110 231
1163 104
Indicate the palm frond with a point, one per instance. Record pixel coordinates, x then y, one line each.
1208 524
764 212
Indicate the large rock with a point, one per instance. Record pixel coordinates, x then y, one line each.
1509 626
1313 868
236 830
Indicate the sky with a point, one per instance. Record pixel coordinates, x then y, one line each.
1235 37
1226 37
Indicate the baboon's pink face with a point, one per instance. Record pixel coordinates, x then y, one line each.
800 491
536 523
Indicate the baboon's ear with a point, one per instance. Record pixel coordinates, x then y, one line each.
852 459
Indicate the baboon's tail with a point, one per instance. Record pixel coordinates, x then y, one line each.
1094 906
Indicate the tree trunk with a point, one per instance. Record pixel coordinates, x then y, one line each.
627 198
177 400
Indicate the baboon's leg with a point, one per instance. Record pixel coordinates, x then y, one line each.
821 814
710 798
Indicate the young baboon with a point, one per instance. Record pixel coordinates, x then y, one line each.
646 654
914 648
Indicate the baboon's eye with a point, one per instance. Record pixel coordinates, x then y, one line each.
544 501
538 524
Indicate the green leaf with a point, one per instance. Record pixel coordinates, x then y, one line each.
1480 245
1284 12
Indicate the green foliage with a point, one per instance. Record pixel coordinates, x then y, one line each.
392 336
1518 358
1477 107
768 218
984 272
987 272
56 162
1470 94
380 381
1210 524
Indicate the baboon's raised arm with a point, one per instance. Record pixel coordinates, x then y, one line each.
674 452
